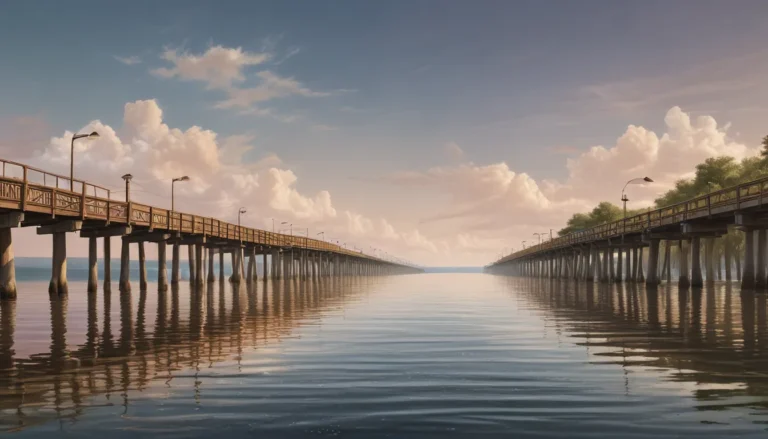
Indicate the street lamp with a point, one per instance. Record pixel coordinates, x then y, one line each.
127 178
93 135
239 212
539 235
322 233
173 183
524 244
633 181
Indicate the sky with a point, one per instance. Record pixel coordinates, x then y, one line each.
442 132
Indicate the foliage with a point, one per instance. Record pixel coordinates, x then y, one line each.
604 212
713 174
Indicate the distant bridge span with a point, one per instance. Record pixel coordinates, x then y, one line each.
614 251
33 197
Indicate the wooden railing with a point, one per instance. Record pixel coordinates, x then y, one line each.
724 200
51 194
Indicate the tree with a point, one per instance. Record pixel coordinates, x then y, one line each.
764 152
604 212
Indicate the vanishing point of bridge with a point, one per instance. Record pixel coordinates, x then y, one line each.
32 197
613 252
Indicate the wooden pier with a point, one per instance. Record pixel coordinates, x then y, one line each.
56 205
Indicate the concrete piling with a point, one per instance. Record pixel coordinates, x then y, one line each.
7 265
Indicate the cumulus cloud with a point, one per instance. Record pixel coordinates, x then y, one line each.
218 67
488 201
221 179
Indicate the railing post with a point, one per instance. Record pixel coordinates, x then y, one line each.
151 217
53 202
82 203
24 186
109 209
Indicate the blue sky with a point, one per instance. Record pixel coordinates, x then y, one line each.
528 84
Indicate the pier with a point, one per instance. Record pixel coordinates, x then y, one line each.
687 231
57 205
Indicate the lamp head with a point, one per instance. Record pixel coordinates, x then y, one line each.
242 210
648 179
127 177
93 135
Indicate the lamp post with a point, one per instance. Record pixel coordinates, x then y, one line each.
93 135
239 212
539 235
127 178
173 184
633 181
322 233
524 244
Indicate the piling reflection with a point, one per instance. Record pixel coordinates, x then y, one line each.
155 338
714 339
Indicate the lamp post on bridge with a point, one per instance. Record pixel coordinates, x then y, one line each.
93 135
127 178
633 181
239 212
524 244
539 235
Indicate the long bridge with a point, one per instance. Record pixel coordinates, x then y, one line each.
613 252
58 205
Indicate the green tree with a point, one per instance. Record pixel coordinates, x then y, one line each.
603 213
764 152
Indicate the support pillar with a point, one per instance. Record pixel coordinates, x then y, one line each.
684 280
748 276
199 278
696 278
653 263
7 265
58 284
211 273
93 270
107 263
251 266
760 260
727 256
175 275
191 262
619 265
162 270
221 265
640 271
142 267
235 267
264 264
125 266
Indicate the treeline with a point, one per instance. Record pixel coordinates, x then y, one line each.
713 174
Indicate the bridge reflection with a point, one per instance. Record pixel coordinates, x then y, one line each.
714 339
157 336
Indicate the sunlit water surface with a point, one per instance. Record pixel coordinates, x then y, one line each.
433 355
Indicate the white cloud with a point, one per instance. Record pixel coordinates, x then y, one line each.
487 202
129 60
218 67
222 179
272 86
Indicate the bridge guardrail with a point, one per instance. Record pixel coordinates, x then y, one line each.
732 197
49 195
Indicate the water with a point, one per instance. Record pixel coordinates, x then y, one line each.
432 355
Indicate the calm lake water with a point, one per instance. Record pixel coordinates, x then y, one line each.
432 355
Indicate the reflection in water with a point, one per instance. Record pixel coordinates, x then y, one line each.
221 321
715 337
429 355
